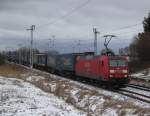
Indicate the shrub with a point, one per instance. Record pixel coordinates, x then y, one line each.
2 59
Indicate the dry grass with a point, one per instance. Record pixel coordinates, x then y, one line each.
122 107
12 70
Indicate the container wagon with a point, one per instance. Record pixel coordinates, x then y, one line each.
40 61
65 63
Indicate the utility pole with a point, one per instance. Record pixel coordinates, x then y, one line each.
19 50
73 49
50 43
32 28
53 37
52 40
79 44
95 40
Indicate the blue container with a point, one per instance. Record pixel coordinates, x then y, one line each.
66 62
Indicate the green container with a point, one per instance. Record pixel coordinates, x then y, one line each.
40 59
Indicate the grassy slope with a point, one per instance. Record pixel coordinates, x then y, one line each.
64 89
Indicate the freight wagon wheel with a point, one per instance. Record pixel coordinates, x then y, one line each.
109 86
122 86
78 78
52 71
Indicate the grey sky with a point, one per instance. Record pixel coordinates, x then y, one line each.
106 15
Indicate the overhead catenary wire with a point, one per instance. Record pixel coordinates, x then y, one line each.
87 43
128 33
125 27
65 15
110 32
80 6
74 39
91 39
76 9
121 28
119 34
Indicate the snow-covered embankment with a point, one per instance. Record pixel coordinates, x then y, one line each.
19 98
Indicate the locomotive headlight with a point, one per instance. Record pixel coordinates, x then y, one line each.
125 75
124 71
110 75
112 71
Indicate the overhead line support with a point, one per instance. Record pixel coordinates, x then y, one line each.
31 29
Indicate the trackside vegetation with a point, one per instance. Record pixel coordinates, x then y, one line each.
139 48
2 59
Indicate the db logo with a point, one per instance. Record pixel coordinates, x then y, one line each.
87 65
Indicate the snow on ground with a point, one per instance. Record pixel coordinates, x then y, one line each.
115 95
142 74
97 100
23 99
35 78
111 94
28 100
141 78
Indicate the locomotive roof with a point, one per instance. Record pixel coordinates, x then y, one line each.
116 57
40 54
83 53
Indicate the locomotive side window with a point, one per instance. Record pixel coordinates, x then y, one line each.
102 63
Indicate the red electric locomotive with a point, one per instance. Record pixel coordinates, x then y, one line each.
107 68
110 69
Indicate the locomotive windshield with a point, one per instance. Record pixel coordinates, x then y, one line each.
117 63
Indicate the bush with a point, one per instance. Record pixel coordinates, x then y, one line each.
2 59
136 66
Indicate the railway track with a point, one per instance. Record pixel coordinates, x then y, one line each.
139 87
134 95
134 91
129 93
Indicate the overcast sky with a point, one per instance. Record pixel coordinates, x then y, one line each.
108 16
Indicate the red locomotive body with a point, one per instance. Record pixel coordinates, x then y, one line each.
112 69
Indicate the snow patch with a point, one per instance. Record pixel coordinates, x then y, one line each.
28 100
110 112
142 74
35 78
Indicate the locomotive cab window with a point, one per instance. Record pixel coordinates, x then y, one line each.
116 63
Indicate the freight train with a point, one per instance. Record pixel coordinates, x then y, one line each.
107 68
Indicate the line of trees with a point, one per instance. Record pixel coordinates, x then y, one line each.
2 59
140 47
